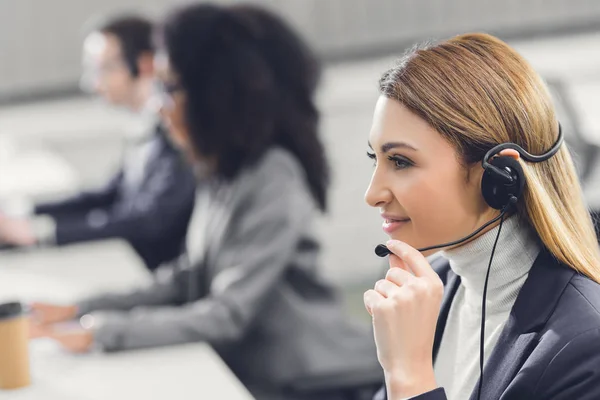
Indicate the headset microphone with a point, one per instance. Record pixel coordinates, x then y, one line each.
381 250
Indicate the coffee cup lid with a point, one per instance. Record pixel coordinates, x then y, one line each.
9 310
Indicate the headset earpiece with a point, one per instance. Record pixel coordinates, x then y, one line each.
496 188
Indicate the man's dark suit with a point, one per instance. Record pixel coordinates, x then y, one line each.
550 346
152 216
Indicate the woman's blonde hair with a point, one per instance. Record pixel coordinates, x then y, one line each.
477 92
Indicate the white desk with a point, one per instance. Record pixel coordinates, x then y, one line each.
34 173
182 372
66 273
191 371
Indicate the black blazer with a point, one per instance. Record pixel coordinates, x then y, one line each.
153 219
550 345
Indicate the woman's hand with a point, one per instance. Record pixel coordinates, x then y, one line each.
75 340
405 307
72 337
56 322
37 330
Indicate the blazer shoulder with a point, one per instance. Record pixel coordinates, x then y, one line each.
278 162
276 173
586 298
576 312
276 170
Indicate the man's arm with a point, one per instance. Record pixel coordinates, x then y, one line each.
166 204
83 202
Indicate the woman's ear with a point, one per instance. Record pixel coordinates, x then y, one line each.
510 153
475 172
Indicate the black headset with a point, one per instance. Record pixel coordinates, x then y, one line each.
502 185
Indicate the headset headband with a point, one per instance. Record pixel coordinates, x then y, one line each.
524 153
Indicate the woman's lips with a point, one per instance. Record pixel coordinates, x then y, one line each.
391 225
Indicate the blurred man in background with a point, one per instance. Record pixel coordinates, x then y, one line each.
149 202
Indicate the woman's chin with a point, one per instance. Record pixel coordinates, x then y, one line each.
413 243
405 239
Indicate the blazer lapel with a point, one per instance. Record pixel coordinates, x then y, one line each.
223 198
507 358
450 287
158 155
197 233
532 309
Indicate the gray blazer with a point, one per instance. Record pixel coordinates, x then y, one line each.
248 285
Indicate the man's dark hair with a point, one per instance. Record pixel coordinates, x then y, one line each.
135 36
249 82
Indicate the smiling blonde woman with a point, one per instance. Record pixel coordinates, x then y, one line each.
441 109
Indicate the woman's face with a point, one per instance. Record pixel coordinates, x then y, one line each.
172 102
425 195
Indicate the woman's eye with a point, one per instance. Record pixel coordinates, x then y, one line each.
372 157
400 162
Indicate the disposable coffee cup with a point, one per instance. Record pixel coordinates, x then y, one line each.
14 346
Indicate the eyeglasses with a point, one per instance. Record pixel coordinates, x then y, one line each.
164 91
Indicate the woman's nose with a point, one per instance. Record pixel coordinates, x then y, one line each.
377 194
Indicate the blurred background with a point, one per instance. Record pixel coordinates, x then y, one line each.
56 140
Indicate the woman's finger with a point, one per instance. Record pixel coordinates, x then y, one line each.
397 262
413 259
37 330
398 276
371 298
385 287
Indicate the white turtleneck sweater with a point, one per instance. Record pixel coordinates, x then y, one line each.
457 363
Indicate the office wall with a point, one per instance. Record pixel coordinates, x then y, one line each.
40 39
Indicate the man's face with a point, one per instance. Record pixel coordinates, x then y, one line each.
105 71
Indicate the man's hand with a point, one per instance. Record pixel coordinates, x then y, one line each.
14 231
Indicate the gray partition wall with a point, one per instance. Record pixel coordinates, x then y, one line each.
40 39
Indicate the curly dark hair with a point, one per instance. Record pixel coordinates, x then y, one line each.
249 82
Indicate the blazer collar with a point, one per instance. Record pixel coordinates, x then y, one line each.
537 299
451 284
534 305
541 292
